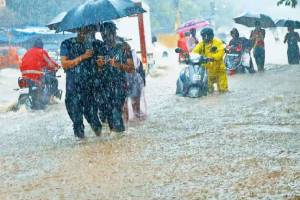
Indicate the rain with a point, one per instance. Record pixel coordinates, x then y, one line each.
133 105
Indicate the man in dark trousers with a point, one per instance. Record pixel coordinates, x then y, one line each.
81 70
114 60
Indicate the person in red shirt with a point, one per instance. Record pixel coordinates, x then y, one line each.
38 67
35 61
181 43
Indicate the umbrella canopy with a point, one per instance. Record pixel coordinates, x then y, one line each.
288 23
195 23
94 12
53 25
249 19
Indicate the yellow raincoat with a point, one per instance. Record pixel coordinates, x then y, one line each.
216 70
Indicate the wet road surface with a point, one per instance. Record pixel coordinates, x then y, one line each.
239 145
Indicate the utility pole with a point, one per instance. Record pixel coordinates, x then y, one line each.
177 20
212 12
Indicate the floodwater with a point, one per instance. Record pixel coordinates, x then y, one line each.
239 145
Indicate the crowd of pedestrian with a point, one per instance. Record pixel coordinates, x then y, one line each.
213 49
105 78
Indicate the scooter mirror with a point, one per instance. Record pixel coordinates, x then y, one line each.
178 50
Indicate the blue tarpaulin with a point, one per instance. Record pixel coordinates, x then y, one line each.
25 37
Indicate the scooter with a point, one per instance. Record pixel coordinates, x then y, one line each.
238 60
36 96
192 81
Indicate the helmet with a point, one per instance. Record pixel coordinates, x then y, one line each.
207 34
38 43
235 32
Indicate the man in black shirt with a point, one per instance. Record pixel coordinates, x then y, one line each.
81 70
114 60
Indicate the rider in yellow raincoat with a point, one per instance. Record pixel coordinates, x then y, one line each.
213 48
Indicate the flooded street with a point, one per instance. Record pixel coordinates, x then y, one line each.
239 145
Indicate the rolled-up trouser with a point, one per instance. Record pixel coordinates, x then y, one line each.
220 78
79 103
259 55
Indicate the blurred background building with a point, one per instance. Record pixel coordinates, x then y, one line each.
2 3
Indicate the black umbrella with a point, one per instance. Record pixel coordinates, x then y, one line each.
288 23
97 11
249 20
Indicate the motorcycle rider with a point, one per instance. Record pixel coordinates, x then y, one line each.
213 49
239 45
235 44
34 64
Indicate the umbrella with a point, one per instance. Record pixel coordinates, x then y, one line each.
249 19
53 25
288 23
93 12
194 23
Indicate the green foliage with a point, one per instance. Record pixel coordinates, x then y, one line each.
292 3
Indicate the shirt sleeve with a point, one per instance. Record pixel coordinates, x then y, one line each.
52 64
64 51
198 48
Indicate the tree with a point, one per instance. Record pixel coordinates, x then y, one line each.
292 3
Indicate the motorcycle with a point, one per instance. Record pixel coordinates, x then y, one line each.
238 60
192 81
36 96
